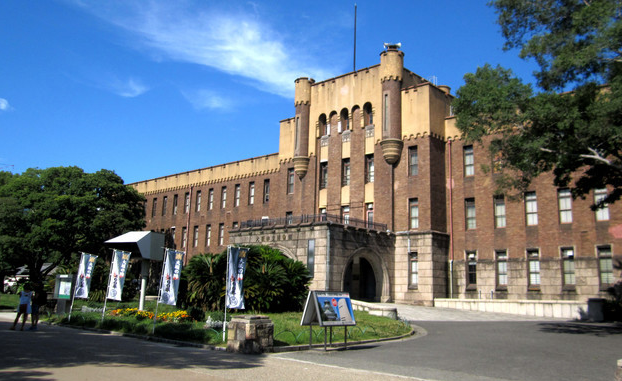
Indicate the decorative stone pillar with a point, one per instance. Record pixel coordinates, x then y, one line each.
302 101
250 334
391 69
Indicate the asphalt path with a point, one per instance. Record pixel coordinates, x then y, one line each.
453 349
491 350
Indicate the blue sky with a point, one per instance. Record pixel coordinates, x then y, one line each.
152 88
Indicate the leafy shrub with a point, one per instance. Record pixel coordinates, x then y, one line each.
272 282
196 313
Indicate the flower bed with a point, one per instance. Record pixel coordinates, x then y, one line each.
179 316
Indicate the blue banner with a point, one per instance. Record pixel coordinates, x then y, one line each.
85 271
235 277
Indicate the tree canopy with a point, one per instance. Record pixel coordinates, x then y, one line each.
48 215
571 124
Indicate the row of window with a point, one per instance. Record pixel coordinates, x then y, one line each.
603 252
345 171
343 122
223 197
564 204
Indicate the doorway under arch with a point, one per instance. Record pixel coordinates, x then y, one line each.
360 280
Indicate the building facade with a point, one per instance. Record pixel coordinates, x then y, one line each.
375 191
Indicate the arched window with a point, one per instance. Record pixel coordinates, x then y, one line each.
368 114
344 120
324 130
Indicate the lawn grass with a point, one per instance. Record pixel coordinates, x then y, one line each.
9 301
287 328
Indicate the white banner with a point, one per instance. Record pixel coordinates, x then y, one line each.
171 272
120 261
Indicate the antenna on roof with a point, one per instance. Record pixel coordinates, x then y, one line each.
354 64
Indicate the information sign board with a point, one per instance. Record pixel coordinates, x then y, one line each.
328 309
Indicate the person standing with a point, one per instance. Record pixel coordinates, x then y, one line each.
38 300
24 305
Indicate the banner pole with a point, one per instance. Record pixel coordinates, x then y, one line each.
73 296
107 286
224 323
155 315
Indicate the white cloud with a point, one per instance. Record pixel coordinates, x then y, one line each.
129 88
207 99
237 44
4 105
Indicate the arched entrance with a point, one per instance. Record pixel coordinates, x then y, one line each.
360 280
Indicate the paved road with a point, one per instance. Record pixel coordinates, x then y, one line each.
457 345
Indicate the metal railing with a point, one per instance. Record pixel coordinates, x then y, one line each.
311 218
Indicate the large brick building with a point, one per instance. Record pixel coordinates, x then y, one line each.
373 189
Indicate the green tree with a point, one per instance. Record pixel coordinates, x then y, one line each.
49 215
572 125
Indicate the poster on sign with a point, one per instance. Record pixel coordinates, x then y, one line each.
328 309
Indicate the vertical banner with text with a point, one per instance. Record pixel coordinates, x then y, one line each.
235 277
171 273
85 271
120 261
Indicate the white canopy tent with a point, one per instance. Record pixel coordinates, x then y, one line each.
150 247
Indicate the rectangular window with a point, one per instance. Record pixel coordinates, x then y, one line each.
568 266
469 207
469 163
369 168
223 197
533 259
184 237
385 124
413 213
266 191
187 203
198 202
154 207
195 237
323 175
413 270
499 209
221 234
471 257
173 234
345 172
605 265
502 267
208 235
236 196
289 218
164 205
235 225
322 214
311 257
345 214
290 180
413 161
175 200
210 199
251 193
564 201
602 213
531 208
369 216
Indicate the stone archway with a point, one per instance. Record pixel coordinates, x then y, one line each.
366 277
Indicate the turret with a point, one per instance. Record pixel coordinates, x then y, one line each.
391 69
302 101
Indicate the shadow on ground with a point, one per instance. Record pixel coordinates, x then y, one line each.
594 329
